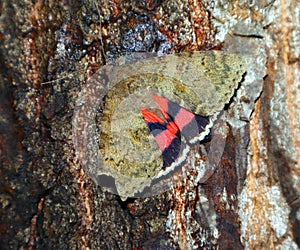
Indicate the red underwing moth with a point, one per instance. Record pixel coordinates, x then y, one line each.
151 111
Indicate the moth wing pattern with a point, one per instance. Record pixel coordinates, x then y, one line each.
197 84
193 127
167 136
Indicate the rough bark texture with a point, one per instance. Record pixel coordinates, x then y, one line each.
48 202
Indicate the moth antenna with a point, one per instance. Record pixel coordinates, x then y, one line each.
100 32
67 76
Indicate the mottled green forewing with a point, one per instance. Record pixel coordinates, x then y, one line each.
202 82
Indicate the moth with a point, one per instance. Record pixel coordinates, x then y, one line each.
152 110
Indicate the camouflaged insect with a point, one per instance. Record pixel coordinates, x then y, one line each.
153 110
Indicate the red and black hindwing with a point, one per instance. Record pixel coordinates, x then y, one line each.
179 122
167 136
192 126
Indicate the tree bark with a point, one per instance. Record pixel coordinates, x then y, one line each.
48 51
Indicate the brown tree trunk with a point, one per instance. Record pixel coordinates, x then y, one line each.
48 50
